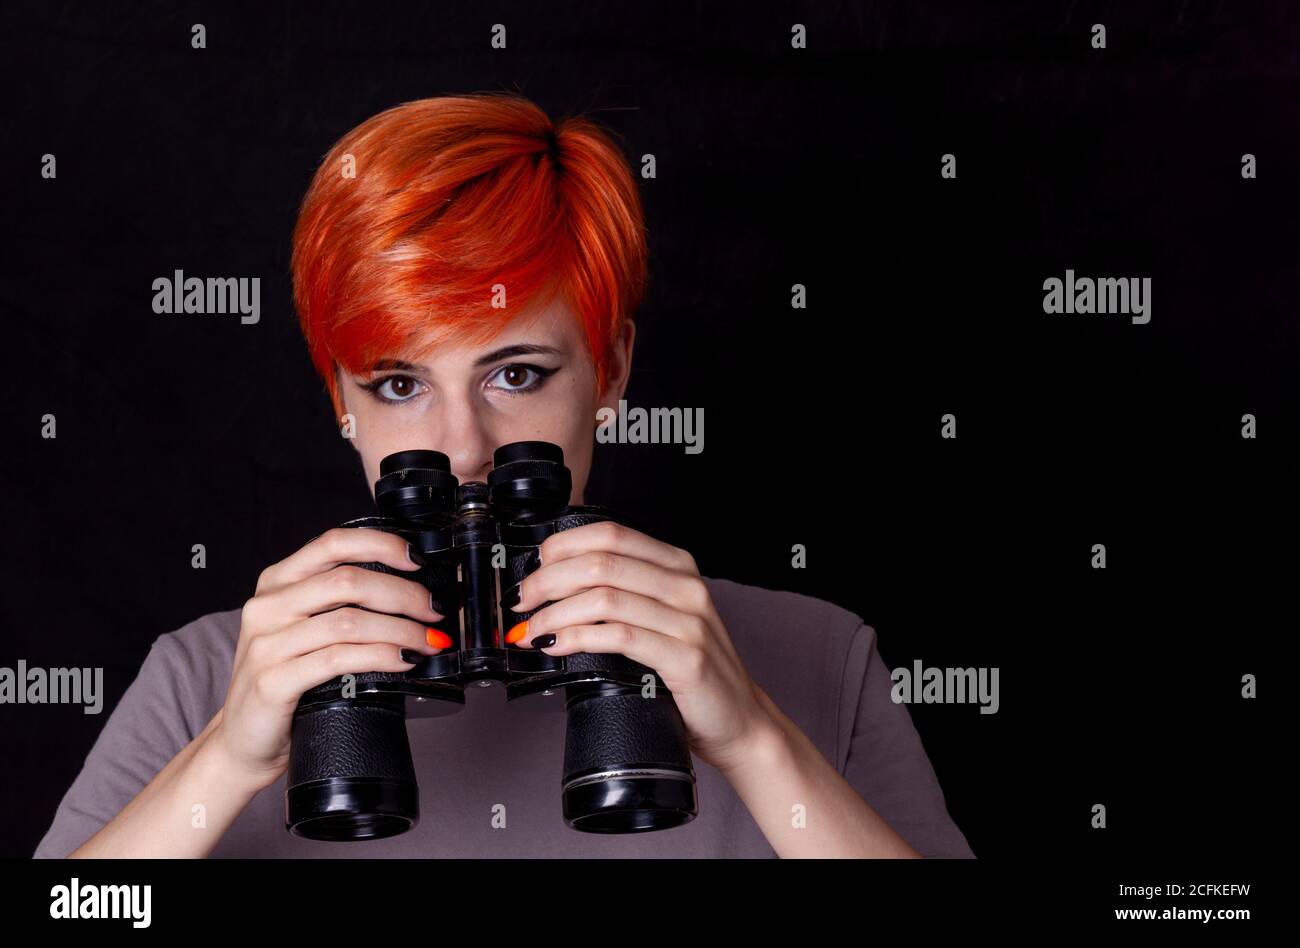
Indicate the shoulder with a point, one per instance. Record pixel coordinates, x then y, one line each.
791 643
206 640
780 613
194 662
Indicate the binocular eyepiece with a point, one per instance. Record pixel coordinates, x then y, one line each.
627 767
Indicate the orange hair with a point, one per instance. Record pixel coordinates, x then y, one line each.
451 196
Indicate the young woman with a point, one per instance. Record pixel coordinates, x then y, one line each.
466 273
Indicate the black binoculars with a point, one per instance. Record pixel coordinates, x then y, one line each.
627 767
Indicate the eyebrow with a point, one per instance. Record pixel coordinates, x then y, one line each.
507 352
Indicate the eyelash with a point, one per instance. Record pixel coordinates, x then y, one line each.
543 373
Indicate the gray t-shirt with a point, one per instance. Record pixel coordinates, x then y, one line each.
817 661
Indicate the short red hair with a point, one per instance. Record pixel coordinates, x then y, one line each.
452 195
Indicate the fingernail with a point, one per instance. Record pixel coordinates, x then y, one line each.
510 598
415 556
436 638
411 656
517 633
436 606
543 641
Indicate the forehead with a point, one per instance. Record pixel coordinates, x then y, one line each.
553 325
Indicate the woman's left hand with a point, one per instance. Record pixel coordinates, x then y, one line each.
653 607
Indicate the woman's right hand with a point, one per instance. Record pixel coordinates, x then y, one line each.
302 628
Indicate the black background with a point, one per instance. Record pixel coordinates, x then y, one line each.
775 166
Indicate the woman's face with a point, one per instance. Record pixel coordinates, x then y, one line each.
533 382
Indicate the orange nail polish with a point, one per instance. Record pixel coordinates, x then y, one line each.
517 633
436 638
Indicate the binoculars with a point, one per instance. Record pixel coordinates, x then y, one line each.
627 767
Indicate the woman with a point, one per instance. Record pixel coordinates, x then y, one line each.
465 274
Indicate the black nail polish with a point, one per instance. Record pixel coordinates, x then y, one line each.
412 656
415 556
436 606
510 598
543 641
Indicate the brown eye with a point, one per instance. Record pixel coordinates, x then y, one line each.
395 388
520 378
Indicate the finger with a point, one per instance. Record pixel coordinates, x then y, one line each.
605 604
614 538
286 682
669 657
559 580
348 625
333 547
346 586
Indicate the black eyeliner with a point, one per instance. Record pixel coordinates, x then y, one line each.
373 386
543 373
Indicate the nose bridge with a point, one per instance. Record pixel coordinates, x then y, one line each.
464 436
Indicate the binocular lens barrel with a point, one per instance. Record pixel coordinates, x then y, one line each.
350 770
626 764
